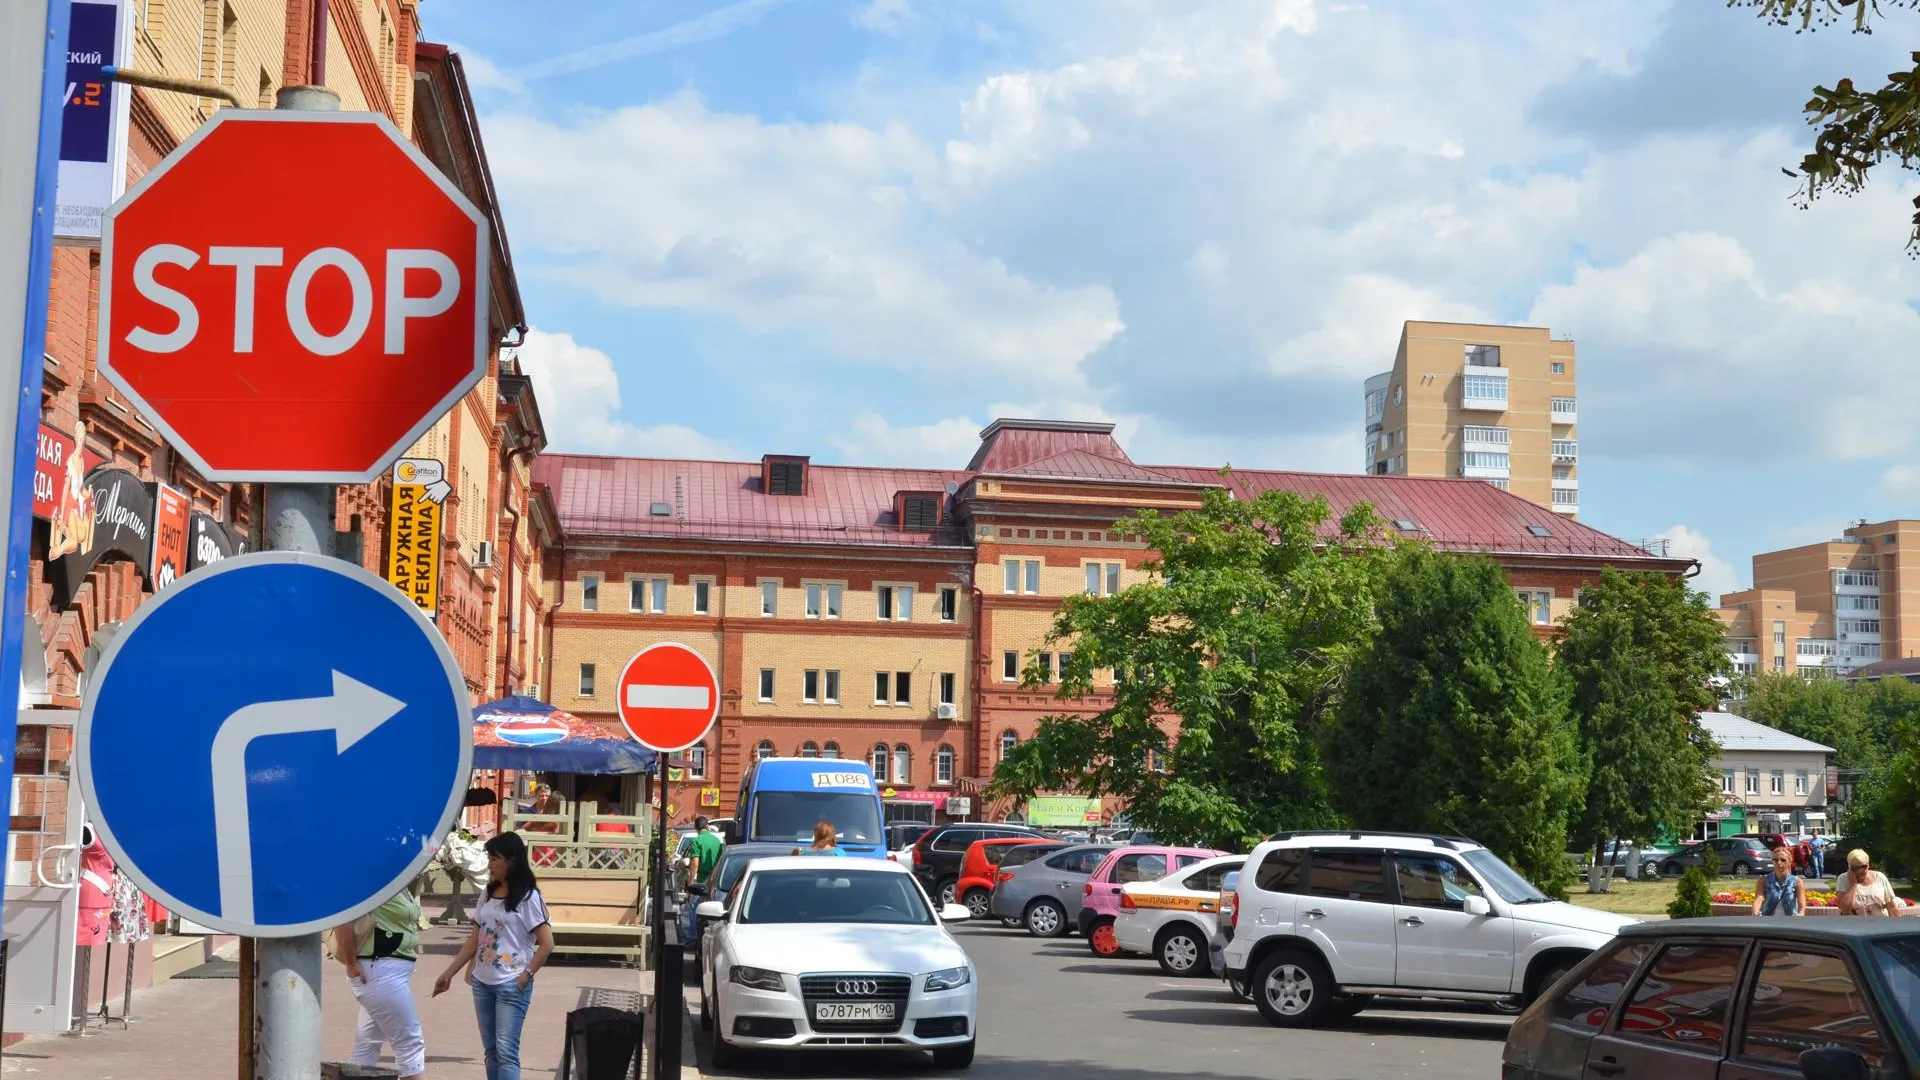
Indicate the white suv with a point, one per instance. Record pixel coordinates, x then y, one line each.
1324 922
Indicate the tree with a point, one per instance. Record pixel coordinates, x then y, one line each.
1828 711
1453 720
1897 807
1857 129
1641 652
1693 899
1225 668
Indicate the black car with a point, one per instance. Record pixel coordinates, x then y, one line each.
937 855
1737 855
1747 998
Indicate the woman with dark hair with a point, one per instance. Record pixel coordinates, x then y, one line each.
511 940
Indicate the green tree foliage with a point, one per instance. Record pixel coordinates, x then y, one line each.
1641 653
1828 711
1256 608
1856 129
1693 898
1892 809
1453 721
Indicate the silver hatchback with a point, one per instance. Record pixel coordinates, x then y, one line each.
1045 895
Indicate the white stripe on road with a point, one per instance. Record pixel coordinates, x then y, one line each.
668 697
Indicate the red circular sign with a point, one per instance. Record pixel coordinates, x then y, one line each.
303 326
668 697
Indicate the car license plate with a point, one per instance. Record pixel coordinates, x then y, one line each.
860 1010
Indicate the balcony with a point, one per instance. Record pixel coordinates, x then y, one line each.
1484 389
1486 472
1564 411
1565 501
1565 452
1490 439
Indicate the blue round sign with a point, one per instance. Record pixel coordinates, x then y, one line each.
275 744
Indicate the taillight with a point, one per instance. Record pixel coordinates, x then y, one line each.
1126 902
1087 889
920 853
1003 877
1235 921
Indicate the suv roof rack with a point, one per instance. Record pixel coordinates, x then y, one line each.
1450 843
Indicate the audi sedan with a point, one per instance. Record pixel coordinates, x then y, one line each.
817 953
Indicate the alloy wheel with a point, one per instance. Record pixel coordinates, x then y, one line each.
1289 990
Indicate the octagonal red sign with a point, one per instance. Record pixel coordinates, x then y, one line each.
294 296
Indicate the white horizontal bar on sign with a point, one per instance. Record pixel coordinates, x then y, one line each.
668 697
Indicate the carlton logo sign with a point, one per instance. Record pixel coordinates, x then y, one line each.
303 332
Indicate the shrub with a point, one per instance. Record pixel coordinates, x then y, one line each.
1694 898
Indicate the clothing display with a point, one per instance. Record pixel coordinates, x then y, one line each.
96 894
130 917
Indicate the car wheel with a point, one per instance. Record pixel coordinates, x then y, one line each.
1242 988
1292 989
1179 952
1672 869
1101 940
945 892
1046 918
977 902
1548 977
1742 868
954 1057
1010 921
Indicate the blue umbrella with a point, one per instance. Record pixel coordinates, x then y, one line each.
532 736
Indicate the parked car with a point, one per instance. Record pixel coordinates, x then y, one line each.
1045 895
1325 922
1827 999
901 836
1647 866
836 954
726 873
1737 855
938 852
979 868
1101 891
1176 920
1016 856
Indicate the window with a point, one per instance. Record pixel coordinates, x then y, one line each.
1494 436
1564 405
1859 626
833 688
1484 388
810 686
1558 367
946 689
1140 866
769 597
1800 782
1539 605
1682 999
1566 450
702 597
647 594
1780 663
923 512
1012 583
1726 781
1046 667
590 592
1023 575
949 603
878 759
831 750
1803 999
1065 659
1008 740
697 761
1584 1007
1753 781
1347 875
1483 355
902 764
815 599
1857 603
1777 782
763 751
957 839
1485 459
1565 497
1103 579
1010 666
1779 633
1077 860
1563 472
902 687
943 765
1433 881
766 684
586 680
894 602
809 749
882 687
1399 393
1862 578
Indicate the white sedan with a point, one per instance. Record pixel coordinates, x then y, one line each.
1176 920
815 952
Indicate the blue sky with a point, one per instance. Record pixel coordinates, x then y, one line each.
862 229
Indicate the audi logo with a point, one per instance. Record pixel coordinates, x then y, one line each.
856 987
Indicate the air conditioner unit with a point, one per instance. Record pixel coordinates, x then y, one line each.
946 712
483 553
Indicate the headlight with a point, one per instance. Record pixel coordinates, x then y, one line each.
949 979
758 978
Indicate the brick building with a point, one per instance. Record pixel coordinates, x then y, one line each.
886 614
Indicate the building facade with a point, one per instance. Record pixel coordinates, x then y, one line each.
1770 781
1835 606
1493 403
889 615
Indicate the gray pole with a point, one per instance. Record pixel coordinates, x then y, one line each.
286 993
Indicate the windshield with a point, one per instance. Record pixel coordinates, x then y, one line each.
791 815
1503 879
732 864
834 893
1899 960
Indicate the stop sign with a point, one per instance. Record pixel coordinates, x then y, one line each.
293 296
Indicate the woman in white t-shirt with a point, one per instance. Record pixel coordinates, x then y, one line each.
511 940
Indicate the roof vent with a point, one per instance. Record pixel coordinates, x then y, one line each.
1406 524
1539 530
661 509
919 511
783 475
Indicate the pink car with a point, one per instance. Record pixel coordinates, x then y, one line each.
1101 905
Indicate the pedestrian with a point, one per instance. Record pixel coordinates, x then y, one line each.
704 854
510 942
1782 892
825 840
378 953
1864 890
1819 844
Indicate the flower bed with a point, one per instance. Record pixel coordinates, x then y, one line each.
1819 902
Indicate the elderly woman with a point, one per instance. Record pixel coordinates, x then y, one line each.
1864 890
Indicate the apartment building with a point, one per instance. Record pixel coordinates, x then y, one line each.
1770 781
1492 403
889 614
1837 605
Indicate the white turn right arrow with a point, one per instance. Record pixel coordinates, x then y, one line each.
351 712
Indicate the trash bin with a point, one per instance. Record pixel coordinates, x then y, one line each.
602 1043
340 1070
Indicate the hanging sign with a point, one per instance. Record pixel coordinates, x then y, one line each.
413 530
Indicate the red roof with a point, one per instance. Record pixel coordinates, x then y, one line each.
1009 446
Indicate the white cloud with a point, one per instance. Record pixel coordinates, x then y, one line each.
579 395
1901 482
1716 574
1360 329
710 26
484 74
944 444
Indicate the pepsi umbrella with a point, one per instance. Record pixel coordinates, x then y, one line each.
532 736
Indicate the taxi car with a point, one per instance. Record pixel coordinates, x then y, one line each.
1176 919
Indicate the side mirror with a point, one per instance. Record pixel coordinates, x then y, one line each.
696 889
711 909
1834 1063
1477 906
955 913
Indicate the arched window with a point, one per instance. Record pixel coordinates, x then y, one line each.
697 761
809 749
943 765
880 762
902 764
831 750
1008 740
763 751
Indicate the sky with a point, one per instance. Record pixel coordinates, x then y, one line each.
863 229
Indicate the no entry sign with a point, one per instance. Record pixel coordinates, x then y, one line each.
668 697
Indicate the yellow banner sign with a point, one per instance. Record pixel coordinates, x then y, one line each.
1162 902
413 530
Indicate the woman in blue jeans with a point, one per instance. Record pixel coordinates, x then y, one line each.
511 940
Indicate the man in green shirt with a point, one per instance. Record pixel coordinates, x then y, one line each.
705 852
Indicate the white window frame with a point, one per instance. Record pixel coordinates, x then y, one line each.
1046 665
878 757
947 603
810 697
697 761
902 679
1726 782
949 684
893 601
697 583
769 598
830 687
830 750
590 592
655 593
588 686
883 688
1014 655
1539 605
1800 778
1753 781
943 766
825 599
1777 782
1104 576
1008 740
764 749
768 683
902 764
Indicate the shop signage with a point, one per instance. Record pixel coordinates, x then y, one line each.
93 125
959 806
710 796
1062 810
120 523
171 511
59 478
937 798
413 530
211 540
